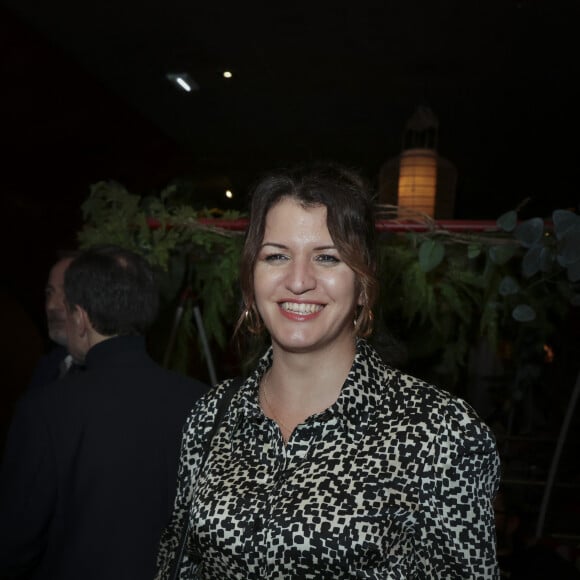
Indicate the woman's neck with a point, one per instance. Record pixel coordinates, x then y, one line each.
307 383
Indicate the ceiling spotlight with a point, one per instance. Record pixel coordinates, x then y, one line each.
229 193
183 81
228 74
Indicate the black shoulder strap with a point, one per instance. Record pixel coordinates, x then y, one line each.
223 405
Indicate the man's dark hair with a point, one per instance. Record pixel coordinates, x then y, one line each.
116 287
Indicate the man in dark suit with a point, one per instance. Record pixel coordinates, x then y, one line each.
89 473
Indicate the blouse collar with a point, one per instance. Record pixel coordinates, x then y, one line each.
361 392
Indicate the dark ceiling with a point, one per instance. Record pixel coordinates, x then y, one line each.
85 98
311 80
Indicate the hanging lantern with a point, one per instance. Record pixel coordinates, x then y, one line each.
418 180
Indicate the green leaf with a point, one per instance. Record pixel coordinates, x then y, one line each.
508 286
530 232
507 221
473 250
547 259
532 262
523 313
569 248
501 254
414 287
574 272
565 221
431 254
456 303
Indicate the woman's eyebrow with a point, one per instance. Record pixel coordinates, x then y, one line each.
281 246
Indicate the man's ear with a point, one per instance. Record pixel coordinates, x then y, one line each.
81 321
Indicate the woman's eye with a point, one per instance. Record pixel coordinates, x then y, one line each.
275 257
327 259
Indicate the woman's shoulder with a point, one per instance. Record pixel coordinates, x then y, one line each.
395 385
438 409
208 410
410 398
414 391
207 405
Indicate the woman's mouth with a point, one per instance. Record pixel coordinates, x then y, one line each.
301 307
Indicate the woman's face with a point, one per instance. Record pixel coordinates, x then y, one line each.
303 290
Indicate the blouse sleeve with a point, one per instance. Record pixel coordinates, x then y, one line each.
456 523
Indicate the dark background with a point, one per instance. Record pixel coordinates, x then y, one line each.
84 98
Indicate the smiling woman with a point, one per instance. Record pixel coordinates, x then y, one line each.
305 294
328 463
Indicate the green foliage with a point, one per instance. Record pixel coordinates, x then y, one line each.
187 254
431 253
440 292
567 252
430 304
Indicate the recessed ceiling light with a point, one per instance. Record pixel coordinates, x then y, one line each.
183 81
229 193
228 74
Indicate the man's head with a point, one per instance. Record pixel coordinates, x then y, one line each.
109 291
54 301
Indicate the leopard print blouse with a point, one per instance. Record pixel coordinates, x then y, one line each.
393 481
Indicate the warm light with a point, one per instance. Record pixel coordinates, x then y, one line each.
227 74
229 193
418 180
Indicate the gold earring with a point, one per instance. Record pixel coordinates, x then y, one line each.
363 323
253 321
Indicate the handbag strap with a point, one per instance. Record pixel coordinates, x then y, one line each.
222 407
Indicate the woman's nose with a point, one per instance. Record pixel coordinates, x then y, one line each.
300 277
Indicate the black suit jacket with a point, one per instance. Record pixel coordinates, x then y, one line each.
48 368
89 472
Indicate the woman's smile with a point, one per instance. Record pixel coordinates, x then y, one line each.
300 310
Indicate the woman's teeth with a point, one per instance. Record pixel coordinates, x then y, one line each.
301 308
